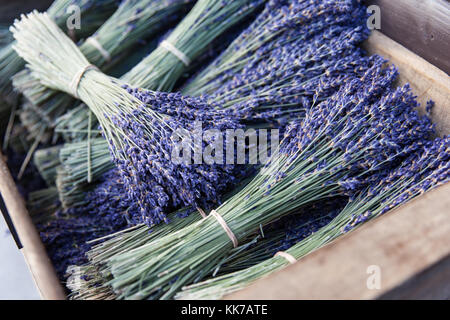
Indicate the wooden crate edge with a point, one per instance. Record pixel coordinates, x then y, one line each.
403 244
36 257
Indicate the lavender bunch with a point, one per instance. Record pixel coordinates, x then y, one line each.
109 199
280 23
107 204
146 161
298 75
94 13
138 124
152 168
132 22
86 160
340 147
422 171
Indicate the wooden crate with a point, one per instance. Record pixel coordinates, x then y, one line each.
409 244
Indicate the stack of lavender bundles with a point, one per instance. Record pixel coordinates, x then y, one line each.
423 170
335 145
323 58
90 235
94 13
139 127
207 20
344 145
103 199
69 178
92 279
351 36
84 162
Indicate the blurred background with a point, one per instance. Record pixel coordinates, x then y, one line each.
15 278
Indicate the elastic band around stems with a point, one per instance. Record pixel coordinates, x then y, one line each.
225 227
177 53
287 256
77 78
97 45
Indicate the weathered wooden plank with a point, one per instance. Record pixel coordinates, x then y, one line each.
423 26
403 244
33 250
426 80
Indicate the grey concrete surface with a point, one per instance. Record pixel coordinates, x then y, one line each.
15 278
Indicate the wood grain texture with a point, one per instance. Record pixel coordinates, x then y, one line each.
423 26
404 243
33 250
426 80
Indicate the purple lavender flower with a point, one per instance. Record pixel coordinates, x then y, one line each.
152 178
65 237
424 169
